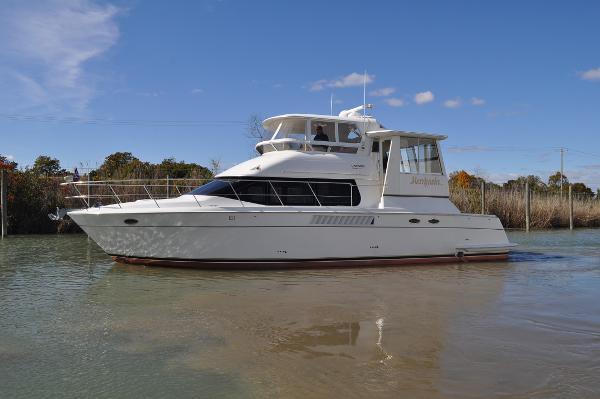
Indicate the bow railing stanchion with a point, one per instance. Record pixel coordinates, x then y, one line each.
351 202
277 195
150 195
116 196
235 192
314 194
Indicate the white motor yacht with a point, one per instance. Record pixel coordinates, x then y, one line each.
324 191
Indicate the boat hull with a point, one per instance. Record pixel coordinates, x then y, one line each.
292 239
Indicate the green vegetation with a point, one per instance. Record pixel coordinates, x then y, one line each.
34 192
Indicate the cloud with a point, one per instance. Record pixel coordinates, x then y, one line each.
395 102
591 74
10 157
47 45
197 91
424 97
351 80
469 148
477 101
383 92
453 103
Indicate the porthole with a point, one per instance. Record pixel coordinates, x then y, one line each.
130 221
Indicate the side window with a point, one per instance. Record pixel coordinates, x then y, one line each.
292 129
258 192
294 193
328 128
429 158
408 155
419 156
349 133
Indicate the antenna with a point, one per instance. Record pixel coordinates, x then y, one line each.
331 105
365 93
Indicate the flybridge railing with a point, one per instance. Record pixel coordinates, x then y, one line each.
306 145
109 192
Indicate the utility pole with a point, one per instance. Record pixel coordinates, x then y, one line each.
562 153
4 202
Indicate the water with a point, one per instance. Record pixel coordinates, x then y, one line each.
75 324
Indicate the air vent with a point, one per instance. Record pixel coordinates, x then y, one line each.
343 220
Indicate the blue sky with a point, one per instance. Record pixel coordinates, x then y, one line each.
508 82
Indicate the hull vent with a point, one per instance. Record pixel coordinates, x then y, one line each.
343 220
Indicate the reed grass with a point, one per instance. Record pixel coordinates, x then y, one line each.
548 210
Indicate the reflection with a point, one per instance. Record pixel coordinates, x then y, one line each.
308 340
379 324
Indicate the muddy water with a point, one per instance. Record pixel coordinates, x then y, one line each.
75 324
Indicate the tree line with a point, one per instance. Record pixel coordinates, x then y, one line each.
464 180
35 191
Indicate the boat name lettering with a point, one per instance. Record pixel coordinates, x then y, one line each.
426 181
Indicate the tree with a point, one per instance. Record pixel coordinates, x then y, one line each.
555 179
255 129
581 188
461 179
114 164
6 163
46 166
535 183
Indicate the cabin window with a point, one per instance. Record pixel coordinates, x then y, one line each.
349 133
292 129
328 129
419 155
288 192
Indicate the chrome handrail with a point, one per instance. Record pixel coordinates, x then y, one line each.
111 185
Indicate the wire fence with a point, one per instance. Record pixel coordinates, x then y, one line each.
545 209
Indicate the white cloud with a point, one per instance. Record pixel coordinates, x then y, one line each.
48 44
424 97
591 74
395 102
469 148
453 103
351 80
10 157
197 91
477 101
383 92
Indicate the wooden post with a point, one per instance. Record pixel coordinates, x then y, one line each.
168 186
483 197
570 208
4 202
527 207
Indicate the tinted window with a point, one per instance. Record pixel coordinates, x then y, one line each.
218 188
292 193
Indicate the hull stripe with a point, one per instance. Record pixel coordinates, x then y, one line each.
307 264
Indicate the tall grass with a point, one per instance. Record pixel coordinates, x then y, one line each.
548 210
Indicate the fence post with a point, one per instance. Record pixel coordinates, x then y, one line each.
570 207
483 197
168 186
527 207
4 202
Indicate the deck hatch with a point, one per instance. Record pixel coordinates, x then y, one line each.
343 220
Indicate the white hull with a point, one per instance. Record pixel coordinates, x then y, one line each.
284 235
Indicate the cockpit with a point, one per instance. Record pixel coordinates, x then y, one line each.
313 134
